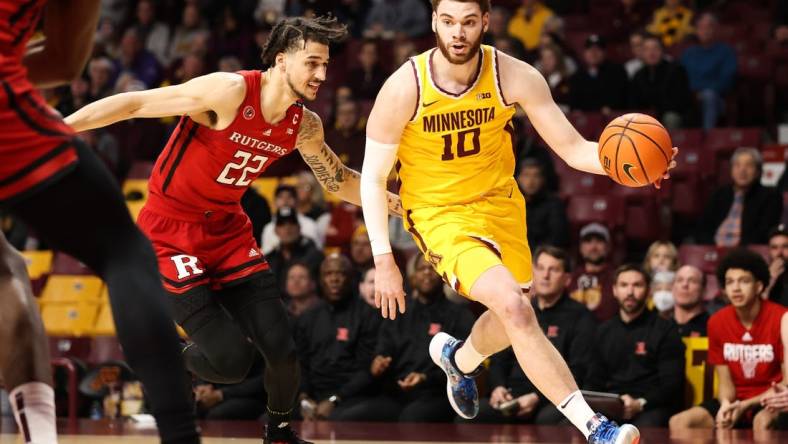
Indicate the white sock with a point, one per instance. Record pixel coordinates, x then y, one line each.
576 410
33 404
468 358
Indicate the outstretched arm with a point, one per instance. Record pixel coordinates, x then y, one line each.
523 84
69 27
329 170
219 92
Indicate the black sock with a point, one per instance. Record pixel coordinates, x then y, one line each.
278 420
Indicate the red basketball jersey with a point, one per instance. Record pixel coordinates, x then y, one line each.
203 170
18 20
753 356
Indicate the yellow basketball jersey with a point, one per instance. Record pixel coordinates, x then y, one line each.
457 147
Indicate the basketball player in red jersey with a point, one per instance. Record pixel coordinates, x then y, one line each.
233 126
57 186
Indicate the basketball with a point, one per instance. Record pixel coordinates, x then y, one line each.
635 150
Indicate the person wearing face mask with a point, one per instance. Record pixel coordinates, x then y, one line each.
662 292
689 313
638 355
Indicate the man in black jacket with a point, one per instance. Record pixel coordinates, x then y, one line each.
600 84
546 219
660 85
335 342
743 212
567 324
778 255
414 389
293 247
638 355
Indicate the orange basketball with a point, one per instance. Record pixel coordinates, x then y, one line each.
635 150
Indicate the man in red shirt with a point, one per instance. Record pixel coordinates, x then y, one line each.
747 341
233 126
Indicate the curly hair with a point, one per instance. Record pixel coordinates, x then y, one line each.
291 33
744 259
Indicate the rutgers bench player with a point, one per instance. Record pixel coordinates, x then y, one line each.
234 125
61 190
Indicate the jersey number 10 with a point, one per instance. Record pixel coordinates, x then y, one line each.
461 151
247 170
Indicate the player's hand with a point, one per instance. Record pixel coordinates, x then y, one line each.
776 268
499 395
527 404
388 286
308 408
728 415
777 400
671 165
632 406
379 365
411 381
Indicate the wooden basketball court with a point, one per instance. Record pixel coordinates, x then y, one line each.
242 432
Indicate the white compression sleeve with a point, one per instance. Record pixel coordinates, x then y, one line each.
379 158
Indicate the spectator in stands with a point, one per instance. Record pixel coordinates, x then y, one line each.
498 29
366 80
633 65
347 134
672 22
389 18
300 289
526 24
552 65
689 314
638 355
230 64
287 196
403 50
312 202
243 401
629 15
711 69
546 219
661 256
413 388
746 344
136 59
661 293
360 249
744 211
565 322
599 83
293 247
336 340
191 35
660 85
101 73
191 66
592 282
778 255
154 34
232 37
366 288
77 97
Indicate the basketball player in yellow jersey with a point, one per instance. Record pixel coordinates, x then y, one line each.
444 119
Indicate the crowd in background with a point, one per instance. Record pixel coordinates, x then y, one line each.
618 325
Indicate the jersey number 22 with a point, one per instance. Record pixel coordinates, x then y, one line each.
257 164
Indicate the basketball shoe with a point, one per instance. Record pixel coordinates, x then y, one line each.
282 435
460 388
605 431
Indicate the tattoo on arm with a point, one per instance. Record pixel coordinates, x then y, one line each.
328 169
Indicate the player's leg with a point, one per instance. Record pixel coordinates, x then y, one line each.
84 215
24 359
219 351
765 420
697 417
255 303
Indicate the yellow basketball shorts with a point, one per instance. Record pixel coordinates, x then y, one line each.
463 241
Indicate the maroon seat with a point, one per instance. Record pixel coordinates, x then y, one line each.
606 208
718 139
588 124
65 264
687 138
578 183
643 221
704 257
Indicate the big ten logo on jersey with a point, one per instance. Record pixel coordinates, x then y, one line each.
186 265
483 95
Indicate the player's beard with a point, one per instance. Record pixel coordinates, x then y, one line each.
472 51
300 94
